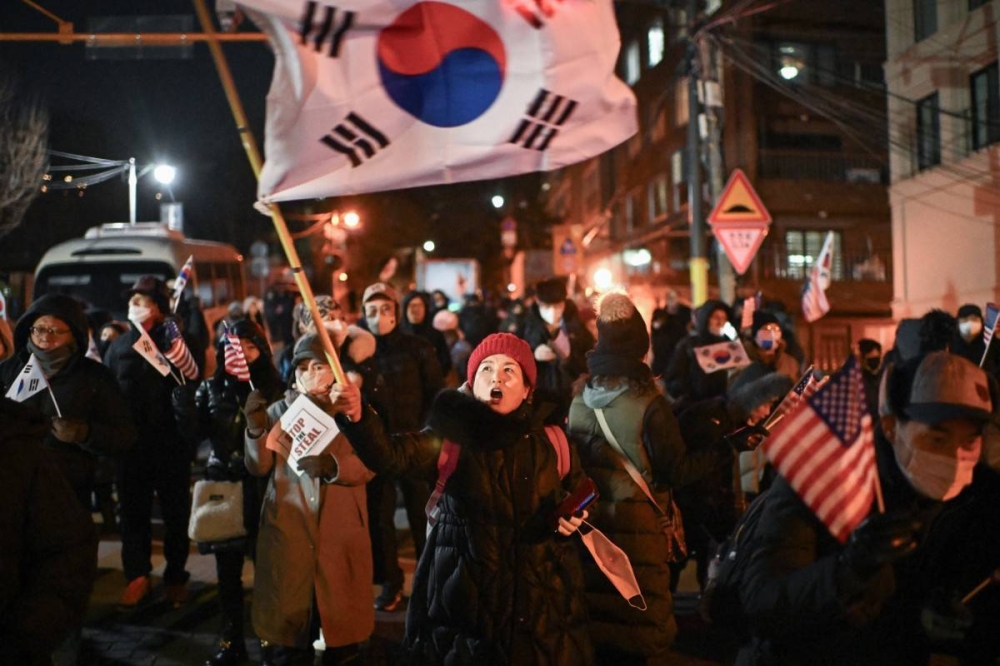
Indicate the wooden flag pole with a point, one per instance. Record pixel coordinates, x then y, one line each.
253 155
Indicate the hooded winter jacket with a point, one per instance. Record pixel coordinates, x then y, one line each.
412 375
426 330
644 426
83 388
555 378
494 585
686 381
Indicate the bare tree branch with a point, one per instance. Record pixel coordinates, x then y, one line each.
24 132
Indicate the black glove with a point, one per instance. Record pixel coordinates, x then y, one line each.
255 410
945 618
746 438
880 540
319 467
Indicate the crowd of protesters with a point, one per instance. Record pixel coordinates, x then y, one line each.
484 417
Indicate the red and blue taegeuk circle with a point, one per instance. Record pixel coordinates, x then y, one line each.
441 64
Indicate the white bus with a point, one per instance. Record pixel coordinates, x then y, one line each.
102 265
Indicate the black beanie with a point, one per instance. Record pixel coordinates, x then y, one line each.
622 339
551 291
762 319
969 310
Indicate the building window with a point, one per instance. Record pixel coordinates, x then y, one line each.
656 43
924 19
633 63
928 133
678 24
657 193
803 247
803 63
985 88
678 179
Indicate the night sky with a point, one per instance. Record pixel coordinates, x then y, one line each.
175 111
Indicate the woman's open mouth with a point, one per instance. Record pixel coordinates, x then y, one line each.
496 395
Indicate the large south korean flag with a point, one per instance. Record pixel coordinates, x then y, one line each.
372 95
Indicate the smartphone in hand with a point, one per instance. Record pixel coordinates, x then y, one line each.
578 500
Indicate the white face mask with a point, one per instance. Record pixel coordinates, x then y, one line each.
940 477
970 328
314 378
139 314
552 314
380 316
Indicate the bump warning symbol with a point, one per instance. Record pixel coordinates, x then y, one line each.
739 203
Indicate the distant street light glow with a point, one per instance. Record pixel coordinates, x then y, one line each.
164 173
512 287
788 72
497 201
603 279
351 219
429 246
342 277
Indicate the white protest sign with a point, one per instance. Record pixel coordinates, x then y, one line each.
304 430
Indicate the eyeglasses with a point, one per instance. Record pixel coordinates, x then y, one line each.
48 332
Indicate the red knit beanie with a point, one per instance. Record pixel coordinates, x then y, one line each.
509 344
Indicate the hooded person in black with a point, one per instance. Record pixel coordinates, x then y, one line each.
418 320
669 327
94 420
686 382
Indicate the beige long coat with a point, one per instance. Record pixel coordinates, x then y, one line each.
313 541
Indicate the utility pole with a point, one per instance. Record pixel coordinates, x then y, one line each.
713 153
699 261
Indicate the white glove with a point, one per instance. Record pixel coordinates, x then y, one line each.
544 354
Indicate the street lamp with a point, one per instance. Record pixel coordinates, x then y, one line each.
163 173
429 246
497 201
351 219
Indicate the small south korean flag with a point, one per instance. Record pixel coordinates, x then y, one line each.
28 382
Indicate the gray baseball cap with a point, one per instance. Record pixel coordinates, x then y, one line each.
947 386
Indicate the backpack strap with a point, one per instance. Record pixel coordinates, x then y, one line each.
447 462
626 462
557 438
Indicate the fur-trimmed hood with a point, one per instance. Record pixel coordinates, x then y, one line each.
457 416
748 396
359 345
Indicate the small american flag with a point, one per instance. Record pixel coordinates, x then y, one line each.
826 451
814 303
988 327
178 352
236 360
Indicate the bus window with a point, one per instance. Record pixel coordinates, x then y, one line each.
102 286
220 280
203 275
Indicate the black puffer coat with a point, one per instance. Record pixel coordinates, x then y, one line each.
84 389
426 330
494 585
412 375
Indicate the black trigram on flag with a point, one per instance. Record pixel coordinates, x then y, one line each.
32 385
355 134
316 30
546 114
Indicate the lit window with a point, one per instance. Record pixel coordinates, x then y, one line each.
633 63
803 247
656 41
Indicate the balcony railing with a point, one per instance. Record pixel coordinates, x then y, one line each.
800 165
777 264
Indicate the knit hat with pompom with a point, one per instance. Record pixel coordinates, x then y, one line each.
622 339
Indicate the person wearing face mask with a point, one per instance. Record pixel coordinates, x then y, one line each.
969 343
332 316
160 462
686 382
559 341
86 412
314 562
620 390
767 350
409 367
870 358
810 599
219 400
496 584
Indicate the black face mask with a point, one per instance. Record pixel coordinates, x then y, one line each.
872 365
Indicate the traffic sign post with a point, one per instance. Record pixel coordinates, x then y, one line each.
740 221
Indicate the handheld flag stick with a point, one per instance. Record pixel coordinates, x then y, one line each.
253 155
992 578
53 396
792 396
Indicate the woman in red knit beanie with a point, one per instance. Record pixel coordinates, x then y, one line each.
495 583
